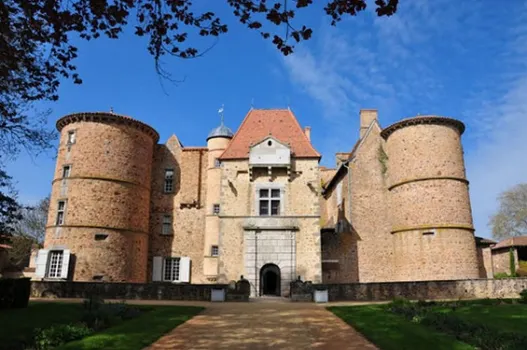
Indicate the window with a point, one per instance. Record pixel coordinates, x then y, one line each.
169 180
214 250
66 171
171 269
269 201
60 213
55 264
339 194
71 137
217 163
216 209
167 224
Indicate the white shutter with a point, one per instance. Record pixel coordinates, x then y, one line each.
184 269
157 268
42 262
65 263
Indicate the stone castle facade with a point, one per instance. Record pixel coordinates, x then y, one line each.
256 203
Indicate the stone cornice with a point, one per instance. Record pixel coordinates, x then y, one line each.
107 117
404 182
434 227
423 120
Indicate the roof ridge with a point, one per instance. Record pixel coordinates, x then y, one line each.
302 131
237 132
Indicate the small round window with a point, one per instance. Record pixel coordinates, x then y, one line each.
269 143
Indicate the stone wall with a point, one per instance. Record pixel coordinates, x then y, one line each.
106 195
300 213
423 290
486 270
186 205
430 209
501 260
139 291
369 211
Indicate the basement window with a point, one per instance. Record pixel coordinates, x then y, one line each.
101 236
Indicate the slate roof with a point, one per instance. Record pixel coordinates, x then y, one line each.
260 123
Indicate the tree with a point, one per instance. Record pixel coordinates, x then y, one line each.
36 50
511 218
9 208
33 221
28 232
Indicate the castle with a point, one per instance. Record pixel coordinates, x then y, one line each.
257 203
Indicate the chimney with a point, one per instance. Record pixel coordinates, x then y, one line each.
366 117
341 157
307 131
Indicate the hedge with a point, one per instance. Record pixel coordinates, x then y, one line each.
14 292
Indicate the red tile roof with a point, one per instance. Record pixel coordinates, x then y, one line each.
260 123
520 241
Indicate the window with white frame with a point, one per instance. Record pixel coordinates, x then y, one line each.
216 209
169 180
66 171
55 264
71 137
167 224
217 163
171 269
214 250
61 208
269 201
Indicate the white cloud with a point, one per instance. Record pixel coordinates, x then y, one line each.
459 58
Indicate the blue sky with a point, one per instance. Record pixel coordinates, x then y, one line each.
464 59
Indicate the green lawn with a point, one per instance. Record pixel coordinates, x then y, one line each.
17 325
138 332
505 317
390 331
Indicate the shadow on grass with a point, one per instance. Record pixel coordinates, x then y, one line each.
389 331
138 332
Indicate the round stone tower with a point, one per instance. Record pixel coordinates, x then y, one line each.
100 200
217 142
431 218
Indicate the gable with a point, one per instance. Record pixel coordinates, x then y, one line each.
281 124
270 151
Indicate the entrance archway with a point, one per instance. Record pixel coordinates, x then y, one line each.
270 280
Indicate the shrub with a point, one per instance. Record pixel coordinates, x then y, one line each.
512 263
54 336
99 315
523 296
14 292
475 334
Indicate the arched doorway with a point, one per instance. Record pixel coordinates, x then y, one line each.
270 280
